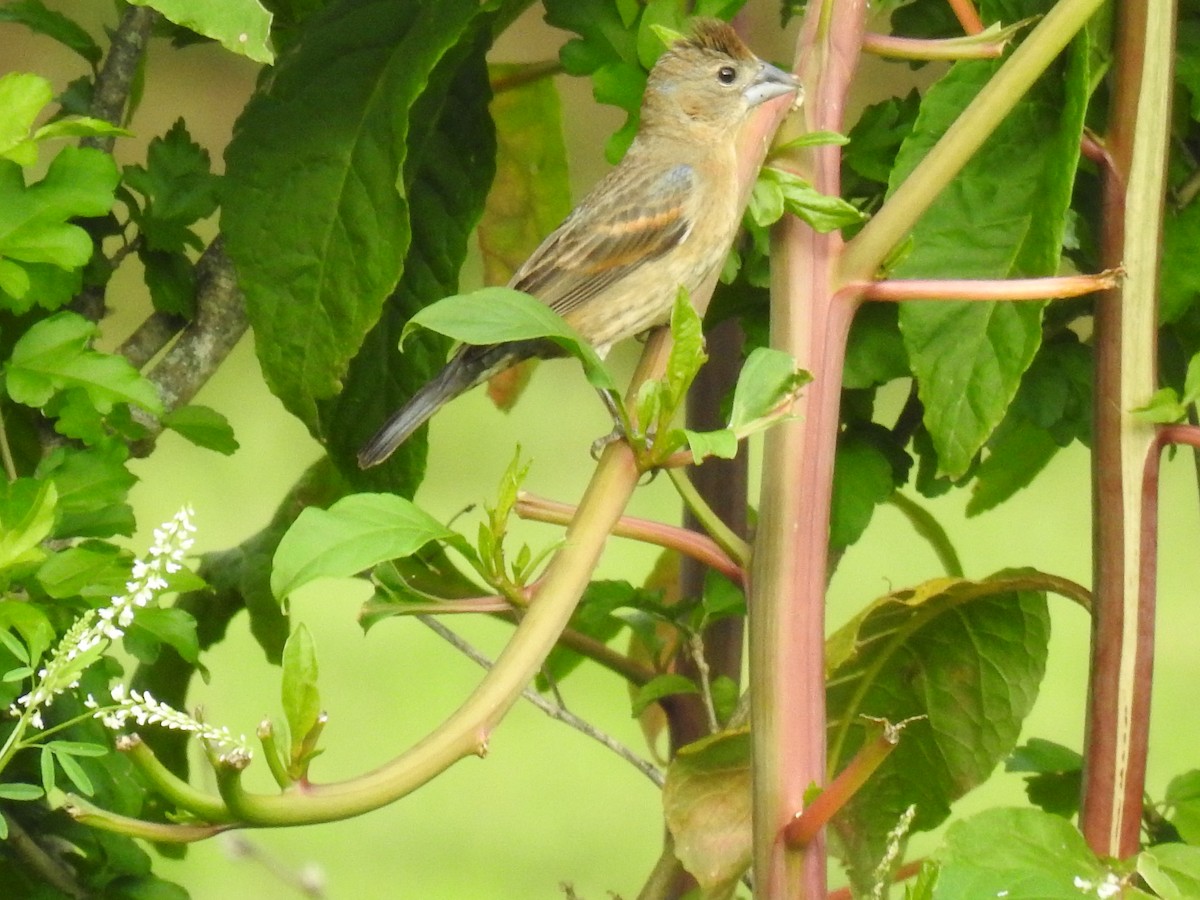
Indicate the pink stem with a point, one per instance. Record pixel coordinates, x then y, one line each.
697 546
991 289
787 619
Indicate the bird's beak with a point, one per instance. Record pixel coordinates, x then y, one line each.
769 83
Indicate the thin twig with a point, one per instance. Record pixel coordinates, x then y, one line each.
308 879
696 650
207 340
115 81
554 711
50 869
149 338
526 74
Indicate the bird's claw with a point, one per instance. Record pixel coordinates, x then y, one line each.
600 444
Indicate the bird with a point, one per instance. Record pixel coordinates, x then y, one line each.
661 220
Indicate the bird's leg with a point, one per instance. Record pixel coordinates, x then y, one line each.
620 423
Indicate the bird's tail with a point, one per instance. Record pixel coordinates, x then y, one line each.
459 374
467 368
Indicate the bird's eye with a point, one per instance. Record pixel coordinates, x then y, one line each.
727 74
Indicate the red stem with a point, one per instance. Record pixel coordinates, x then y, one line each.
1125 457
1179 434
805 827
964 11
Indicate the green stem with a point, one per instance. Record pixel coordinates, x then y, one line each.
896 218
721 533
157 832
203 805
10 467
925 525
266 737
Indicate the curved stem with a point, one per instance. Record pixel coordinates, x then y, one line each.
931 529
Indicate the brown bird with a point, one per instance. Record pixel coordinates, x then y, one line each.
662 219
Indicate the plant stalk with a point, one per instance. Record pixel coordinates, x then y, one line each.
1125 451
787 605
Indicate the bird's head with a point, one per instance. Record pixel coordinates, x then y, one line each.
709 81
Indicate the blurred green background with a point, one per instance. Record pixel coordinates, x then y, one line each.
546 806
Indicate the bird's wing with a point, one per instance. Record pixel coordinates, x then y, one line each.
628 219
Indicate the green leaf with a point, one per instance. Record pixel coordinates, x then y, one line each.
492 315
722 444
812 139
687 350
603 37
316 218
1172 871
355 533
15 790
31 623
34 15
165 625
531 193
1163 407
74 772
35 224
16 648
863 477
767 379
607 49
242 26
77 748
78 127
204 427
1014 458
91 569
706 803
661 686
1020 854
1056 775
447 175
594 618
22 97
301 697
1187 61
1180 276
93 489
1183 803
26 519
967 655
1053 407
54 355
877 136
777 191
875 351
45 285
1003 216
178 188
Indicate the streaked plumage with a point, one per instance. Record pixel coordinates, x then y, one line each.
663 218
